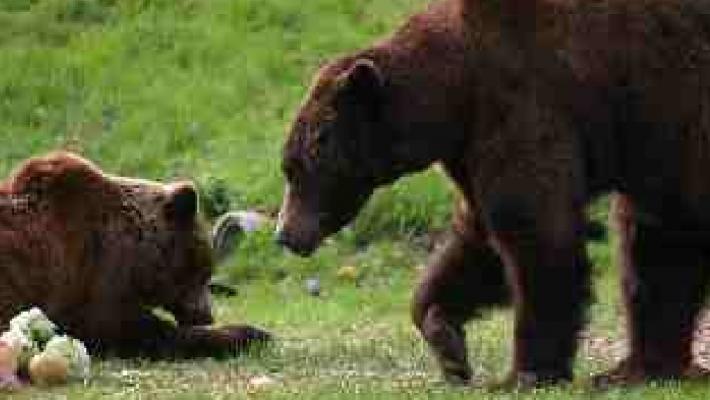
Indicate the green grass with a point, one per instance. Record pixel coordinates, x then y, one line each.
204 89
172 88
355 341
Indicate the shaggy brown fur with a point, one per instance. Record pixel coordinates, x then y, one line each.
97 252
533 107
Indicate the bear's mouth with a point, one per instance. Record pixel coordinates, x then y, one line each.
302 248
303 251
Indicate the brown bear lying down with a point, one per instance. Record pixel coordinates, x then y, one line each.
98 252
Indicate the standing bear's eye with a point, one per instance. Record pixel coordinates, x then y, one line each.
327 114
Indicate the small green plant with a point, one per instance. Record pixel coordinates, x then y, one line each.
84 11
216 197
16 5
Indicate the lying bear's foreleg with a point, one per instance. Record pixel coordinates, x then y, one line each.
148 335
200 341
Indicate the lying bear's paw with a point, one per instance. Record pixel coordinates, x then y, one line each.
220 341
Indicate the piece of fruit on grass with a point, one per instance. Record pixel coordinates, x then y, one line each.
49 369
9 358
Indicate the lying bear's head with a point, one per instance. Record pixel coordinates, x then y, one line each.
174 253
136 242
336 154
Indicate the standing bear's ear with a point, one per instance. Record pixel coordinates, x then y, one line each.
363 80
181 204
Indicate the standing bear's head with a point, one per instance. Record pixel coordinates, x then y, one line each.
338 151
131 242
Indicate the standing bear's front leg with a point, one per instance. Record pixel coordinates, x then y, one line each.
464 276
542 246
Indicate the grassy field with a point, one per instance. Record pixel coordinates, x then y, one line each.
204 89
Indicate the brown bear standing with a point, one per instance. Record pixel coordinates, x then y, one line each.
98 252
533 108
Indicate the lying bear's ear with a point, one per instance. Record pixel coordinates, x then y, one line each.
363 80
181 204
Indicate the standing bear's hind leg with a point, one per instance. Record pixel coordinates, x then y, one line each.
664 284
541 243
464 276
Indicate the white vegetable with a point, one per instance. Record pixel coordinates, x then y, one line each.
74 351
34 325
63 357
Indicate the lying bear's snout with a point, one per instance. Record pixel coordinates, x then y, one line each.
194 309
194 318
198 319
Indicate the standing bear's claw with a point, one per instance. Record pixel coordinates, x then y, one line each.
524 380
627 373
